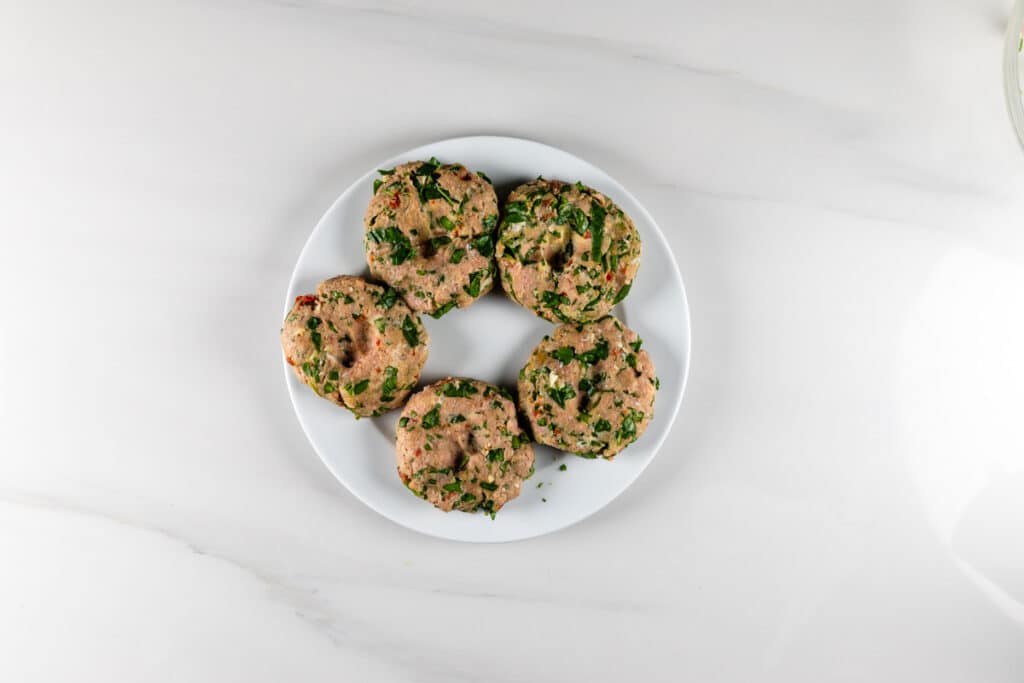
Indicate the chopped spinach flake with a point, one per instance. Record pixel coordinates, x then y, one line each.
460 388
599 352
473 288
561 394
409 331
597 214
457 255
454 487
565 355
387 389
401 247
443 309
484 245
488 486
622 293
432 418
438 242
516 212
553 300
357 388
446 223
388 298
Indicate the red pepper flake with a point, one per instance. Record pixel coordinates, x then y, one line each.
587 234
289 359
395 201
305 299
419 452
378 344
608 277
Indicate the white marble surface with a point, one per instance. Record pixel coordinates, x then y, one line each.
842 498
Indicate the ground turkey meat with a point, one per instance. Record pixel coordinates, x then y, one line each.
460 446
356 344
430 234
566 252
589 389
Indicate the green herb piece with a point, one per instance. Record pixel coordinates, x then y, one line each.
565 355
329 388
627 432
637 344
500 391
444 309
316 338
467 498
490 221
457 418
539 484
622 293
553 300
432 418
438 242
313 322
403 422
496 455
388 298
377 182
599 352
401 247
446 223
385 171
427 168
597 214
387 389
457 255
562 468
381 324
484 245
488 486
333 375
516 212
631 360
454 487
602 425
409 331
459 388
484 176
473 288
357 388
561 394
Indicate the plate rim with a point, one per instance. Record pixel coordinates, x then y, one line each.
683 380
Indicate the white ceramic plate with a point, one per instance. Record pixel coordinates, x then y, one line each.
490 341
